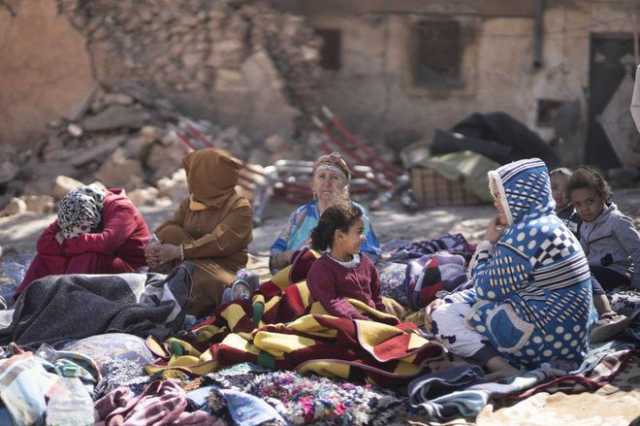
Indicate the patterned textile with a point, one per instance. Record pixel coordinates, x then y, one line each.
58 386
318 400
417 282
442 271
625 301
393 279
599 368
161 403
615 403
80 211
532 292
302 221
122 372
112 347
282 329
452 243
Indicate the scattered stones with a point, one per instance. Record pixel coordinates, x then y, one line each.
15 206
39 203
174 187
98 152
144 196
74 130
62 185
120 172
249 64
116 117
8 171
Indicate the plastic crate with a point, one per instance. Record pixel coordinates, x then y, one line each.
431 189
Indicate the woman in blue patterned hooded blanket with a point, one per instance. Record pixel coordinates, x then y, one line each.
531 301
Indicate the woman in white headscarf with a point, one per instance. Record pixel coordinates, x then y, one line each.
531 301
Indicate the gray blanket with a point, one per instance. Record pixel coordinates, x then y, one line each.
61 307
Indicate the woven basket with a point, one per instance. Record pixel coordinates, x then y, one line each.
431 189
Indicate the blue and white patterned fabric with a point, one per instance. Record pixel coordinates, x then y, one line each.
532 297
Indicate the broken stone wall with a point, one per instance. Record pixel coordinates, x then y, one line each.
44 68
231 62
373 93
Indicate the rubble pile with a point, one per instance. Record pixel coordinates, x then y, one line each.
119 140
215 52
162 66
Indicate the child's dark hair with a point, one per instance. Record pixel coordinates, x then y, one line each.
590 178
335 217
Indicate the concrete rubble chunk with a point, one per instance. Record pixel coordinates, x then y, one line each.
165 158
174 187
144 196
82 106
8 171
15 206
98 152
119 171
39 203
116 117
64 184
117 98
74 130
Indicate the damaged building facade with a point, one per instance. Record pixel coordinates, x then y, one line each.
397 70
393 70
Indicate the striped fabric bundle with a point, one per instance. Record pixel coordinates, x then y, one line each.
284 329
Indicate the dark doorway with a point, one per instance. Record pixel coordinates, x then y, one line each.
331 51
609 65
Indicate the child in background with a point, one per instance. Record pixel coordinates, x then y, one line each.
343 273
609 238
564 209
566 212
610 242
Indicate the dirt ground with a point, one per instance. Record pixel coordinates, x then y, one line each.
18 234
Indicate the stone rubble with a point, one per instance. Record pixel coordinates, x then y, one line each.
182 58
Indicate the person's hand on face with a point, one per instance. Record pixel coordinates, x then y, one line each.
495 229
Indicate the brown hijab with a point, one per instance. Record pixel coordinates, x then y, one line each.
212 175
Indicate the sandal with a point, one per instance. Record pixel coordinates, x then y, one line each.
608 326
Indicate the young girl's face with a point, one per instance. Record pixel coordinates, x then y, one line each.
350 241
559 190
588 203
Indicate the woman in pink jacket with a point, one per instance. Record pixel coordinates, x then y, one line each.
97 232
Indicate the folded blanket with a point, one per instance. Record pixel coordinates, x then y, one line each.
61 307
460 391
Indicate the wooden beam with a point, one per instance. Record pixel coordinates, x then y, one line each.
486 8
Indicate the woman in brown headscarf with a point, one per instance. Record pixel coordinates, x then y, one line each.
212 228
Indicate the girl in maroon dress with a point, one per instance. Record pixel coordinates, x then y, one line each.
342 272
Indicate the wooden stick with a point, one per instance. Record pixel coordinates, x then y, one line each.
636 48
